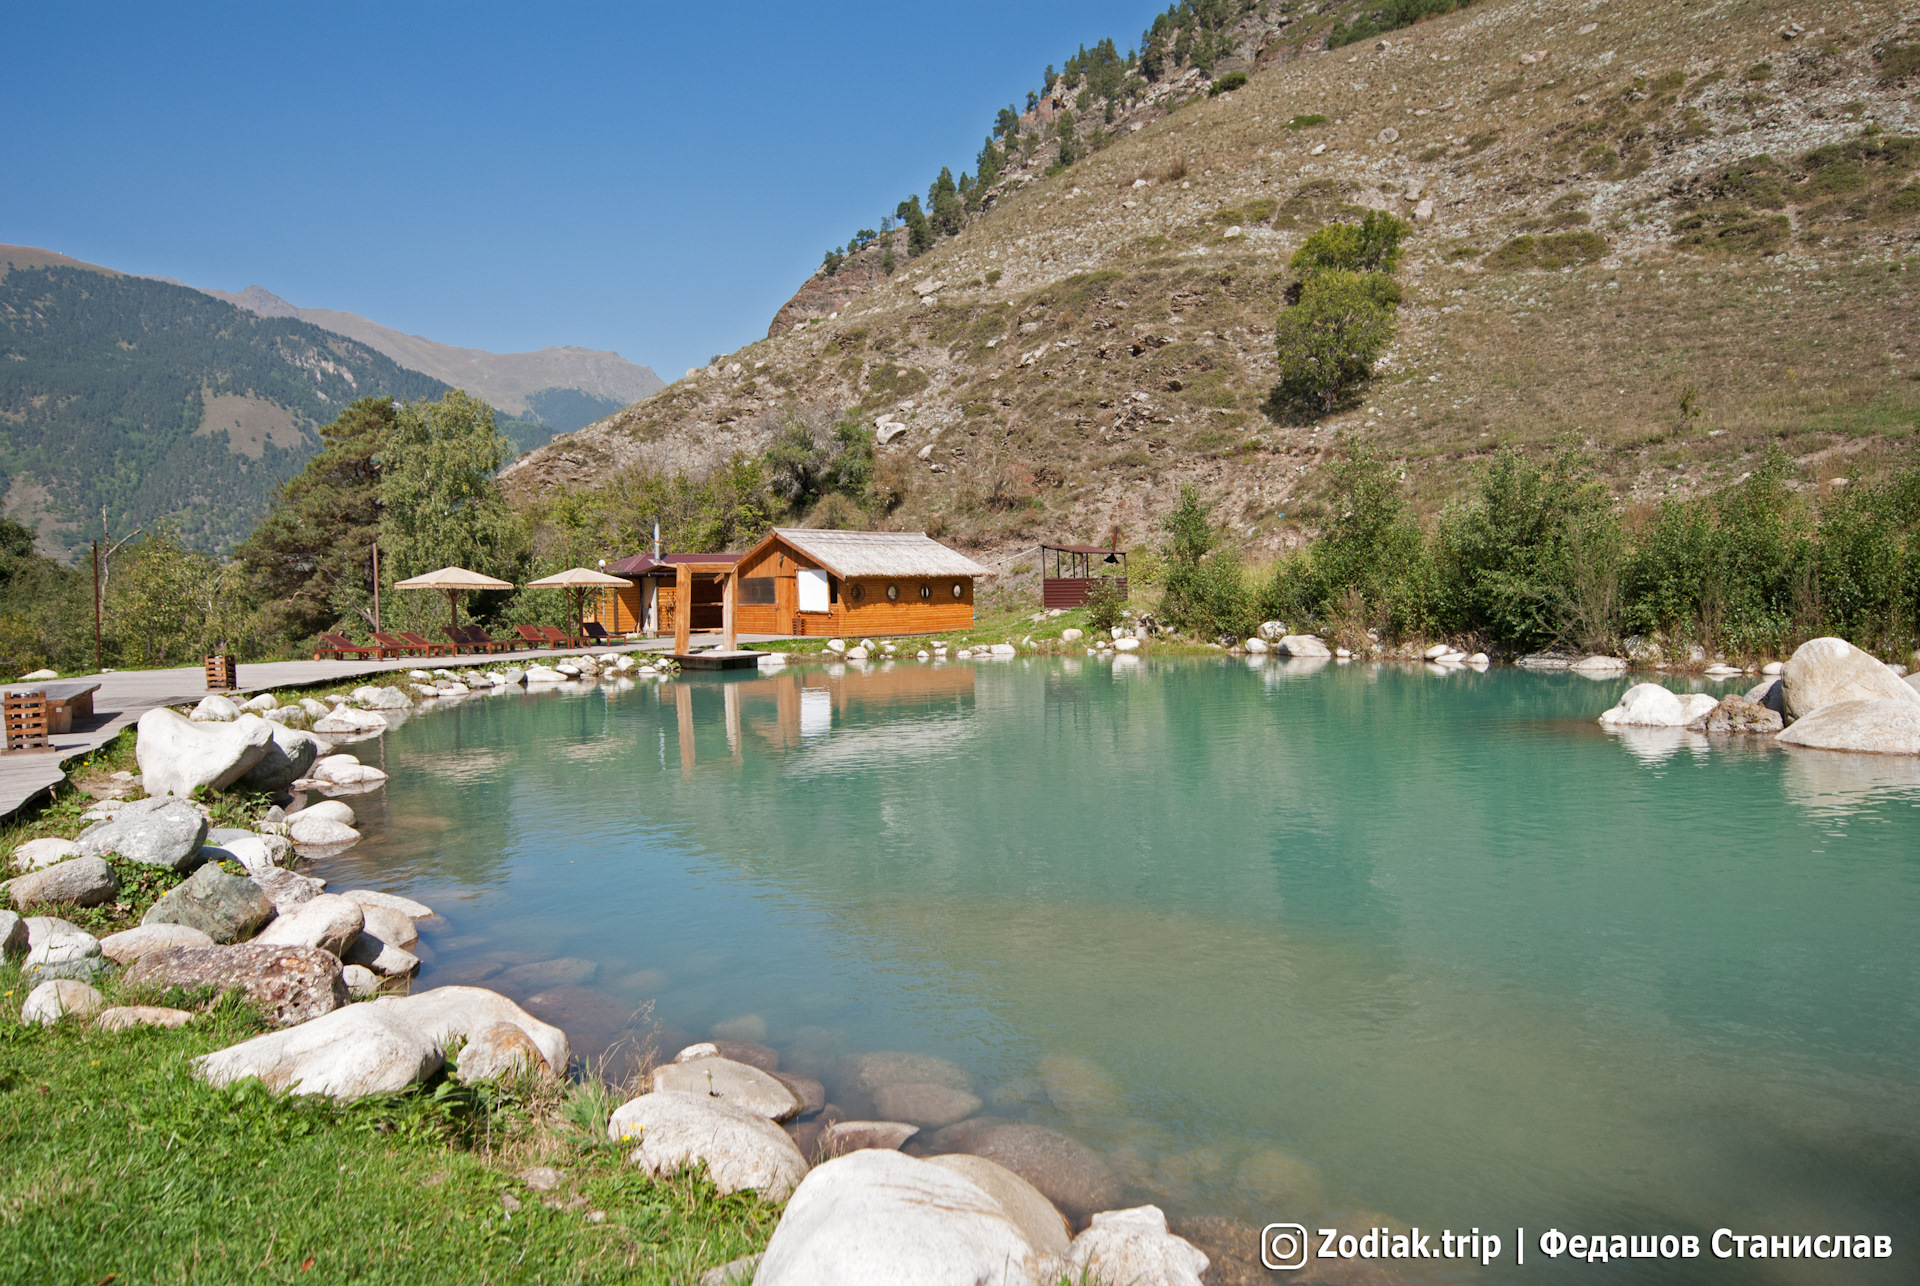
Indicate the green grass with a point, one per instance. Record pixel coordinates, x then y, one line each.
117 1165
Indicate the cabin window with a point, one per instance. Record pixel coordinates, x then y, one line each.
857 592
956 589
756 591
893 593
926 593
815 594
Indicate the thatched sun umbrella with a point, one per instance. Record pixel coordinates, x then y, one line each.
455 581
577 578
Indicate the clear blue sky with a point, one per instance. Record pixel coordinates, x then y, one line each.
654 179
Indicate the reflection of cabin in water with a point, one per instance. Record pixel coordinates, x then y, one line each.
1076 569
648 606
784 711
807 582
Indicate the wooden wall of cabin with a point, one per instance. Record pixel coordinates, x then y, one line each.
871 615
620 611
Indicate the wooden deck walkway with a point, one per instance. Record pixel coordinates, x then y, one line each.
126 695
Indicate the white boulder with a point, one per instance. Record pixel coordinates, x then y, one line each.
36 853
214 708
1044 1227
1872 727
328 921
1256 646
262 703
1301 645
879 1218
345 770
1134 1246
1822 672
1600 665
319 832
346 719
737 1083
1647 705
448 1012
129 945
176 755
1695 705
289 756
1126 645
345 1054
46 1002
391 901
741 1150
1071 635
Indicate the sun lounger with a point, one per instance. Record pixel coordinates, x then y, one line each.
338 646
474 639
531 635
433 649
398 646
595 632
559 638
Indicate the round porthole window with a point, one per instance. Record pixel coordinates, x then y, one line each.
893 593
858 591
956 589
926 592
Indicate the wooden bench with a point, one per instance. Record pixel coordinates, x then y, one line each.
65 701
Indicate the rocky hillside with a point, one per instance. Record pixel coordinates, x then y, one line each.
1679 234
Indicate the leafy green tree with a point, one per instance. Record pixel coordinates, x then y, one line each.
1533 559
1372 245
1206 587
1007 123
1329 341
310 560
1370 562
1104 603
439 494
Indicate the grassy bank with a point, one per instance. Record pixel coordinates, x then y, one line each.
120 1166
116 1164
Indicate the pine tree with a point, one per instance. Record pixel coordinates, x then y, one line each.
919 232
312 558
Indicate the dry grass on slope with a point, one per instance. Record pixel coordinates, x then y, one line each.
1099 337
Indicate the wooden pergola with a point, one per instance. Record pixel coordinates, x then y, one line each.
1075 572
683 575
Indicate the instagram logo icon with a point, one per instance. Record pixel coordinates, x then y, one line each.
1283 1246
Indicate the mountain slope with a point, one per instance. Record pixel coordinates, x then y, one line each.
1663 231
562 388
153 401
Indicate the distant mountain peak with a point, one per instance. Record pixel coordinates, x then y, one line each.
514 382
258 299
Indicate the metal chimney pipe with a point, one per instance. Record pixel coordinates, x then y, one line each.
656 540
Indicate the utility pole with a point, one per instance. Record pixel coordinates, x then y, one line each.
376 583
96 607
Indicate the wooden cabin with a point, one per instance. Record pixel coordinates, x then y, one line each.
648 606
856 583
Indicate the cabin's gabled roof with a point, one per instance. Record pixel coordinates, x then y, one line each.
879 553
648 565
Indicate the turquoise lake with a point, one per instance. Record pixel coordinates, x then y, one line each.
1355 944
